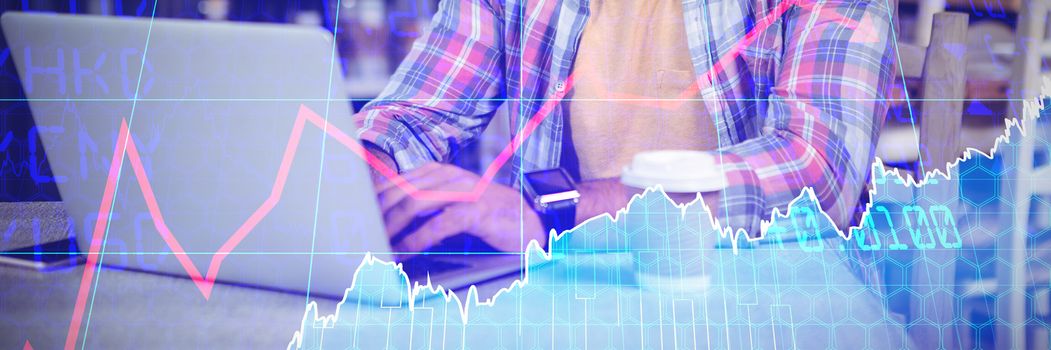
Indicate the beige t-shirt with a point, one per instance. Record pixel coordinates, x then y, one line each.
632 67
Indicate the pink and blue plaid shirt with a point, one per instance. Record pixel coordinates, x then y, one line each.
795 88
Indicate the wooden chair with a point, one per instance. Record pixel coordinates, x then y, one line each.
925 10
929 140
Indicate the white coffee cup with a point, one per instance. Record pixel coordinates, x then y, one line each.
677 172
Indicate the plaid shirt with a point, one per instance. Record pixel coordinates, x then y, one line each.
795 89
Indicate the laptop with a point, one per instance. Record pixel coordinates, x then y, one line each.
228 150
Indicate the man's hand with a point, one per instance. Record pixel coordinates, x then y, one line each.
496 217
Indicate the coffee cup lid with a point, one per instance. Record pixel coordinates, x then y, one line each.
677 171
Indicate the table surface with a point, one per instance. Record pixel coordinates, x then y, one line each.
38 306
142 310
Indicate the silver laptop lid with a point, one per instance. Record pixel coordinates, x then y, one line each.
226 122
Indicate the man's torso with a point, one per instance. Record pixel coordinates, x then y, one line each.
632 93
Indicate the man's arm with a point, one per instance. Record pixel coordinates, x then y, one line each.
443 95
444 92
825 112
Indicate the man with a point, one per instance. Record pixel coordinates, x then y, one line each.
786 94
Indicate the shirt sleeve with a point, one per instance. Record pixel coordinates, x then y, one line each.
824 115
445 91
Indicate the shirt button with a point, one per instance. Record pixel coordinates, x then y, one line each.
560 86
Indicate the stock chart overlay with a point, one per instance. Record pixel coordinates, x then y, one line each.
525 174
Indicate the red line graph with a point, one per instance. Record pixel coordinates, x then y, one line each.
205 282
